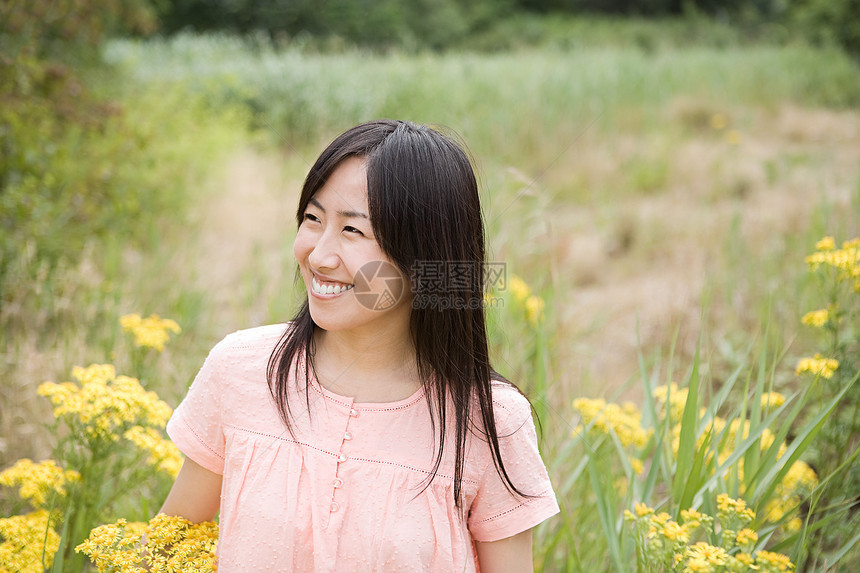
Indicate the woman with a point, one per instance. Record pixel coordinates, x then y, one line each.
370 433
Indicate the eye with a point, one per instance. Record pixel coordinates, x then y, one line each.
311 217
349 229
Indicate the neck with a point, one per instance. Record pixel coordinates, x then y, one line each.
377 367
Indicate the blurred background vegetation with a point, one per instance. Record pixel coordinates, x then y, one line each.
66 121
655 170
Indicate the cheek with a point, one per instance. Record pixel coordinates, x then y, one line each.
302 246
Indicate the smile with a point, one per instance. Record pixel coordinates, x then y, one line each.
329 288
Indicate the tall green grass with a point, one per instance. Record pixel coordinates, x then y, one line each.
299 96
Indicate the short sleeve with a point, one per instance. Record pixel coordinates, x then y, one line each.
496 512
196 426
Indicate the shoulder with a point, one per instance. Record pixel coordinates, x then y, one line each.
251 339
511 409
248 346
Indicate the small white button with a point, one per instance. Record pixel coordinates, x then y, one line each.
342 458
353 412
334 507
337 483
347 435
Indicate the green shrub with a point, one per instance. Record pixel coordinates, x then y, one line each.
49 121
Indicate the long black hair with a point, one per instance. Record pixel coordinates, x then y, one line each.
424 207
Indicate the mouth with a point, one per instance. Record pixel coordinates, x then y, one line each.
329 287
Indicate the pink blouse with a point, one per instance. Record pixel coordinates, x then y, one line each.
346 490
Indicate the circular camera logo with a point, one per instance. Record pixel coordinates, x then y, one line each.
378 285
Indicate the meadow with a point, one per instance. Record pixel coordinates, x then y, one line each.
653 207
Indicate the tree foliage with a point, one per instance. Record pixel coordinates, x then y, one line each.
436 24
444 24
52 126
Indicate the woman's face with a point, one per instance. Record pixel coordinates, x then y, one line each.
351 283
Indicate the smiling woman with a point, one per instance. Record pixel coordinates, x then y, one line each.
369 433
335 242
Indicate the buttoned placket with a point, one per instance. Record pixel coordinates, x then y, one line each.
342 458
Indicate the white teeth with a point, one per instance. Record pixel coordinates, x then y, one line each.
328 289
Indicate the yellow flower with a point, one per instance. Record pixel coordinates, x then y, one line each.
26 539
698 565
163 453
172 544
818 365
115 546
642 510
800 476
677 399
734 507
733 136
718 121
38 481
704 554
826 244
534 310
776 562
105 402
745 562
675 532
846 260
519 288
94 373
151 332
746 536
816 318
693 518
625 421
772 400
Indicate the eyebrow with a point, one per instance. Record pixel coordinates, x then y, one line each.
354 214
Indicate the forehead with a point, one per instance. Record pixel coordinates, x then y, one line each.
346 187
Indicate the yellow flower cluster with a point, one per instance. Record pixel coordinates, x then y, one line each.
816 318
729 433
818 366
38 482
772 400
846 260
703 557
106 407
172 544
672 544
162 453
730 508
676 399
776 562
790 492
746 536
624 420
27 540
799 481
104 402
738 431
519 288
152 331
534 305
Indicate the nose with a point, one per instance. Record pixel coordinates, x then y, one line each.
326 252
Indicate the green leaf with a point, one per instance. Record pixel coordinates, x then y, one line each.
687 446
799 445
